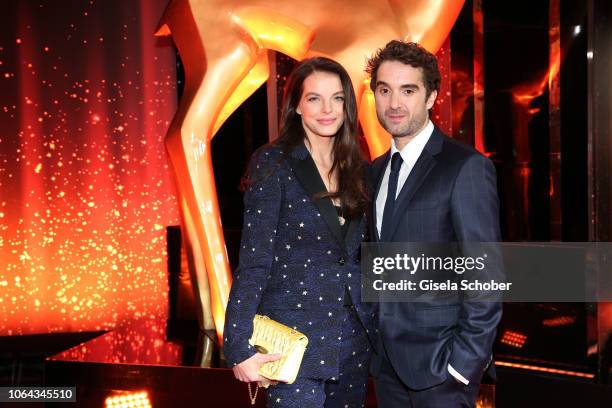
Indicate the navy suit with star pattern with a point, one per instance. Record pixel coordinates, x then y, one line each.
295 263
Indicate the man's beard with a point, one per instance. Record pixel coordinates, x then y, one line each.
408 128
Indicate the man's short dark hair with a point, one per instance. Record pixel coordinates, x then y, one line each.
410 54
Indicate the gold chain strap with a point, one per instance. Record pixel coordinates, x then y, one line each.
252 396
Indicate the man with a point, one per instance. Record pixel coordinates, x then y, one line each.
428 188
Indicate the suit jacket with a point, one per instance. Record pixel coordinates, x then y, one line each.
295 264
449 196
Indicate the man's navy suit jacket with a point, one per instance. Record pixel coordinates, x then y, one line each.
295 264
449 196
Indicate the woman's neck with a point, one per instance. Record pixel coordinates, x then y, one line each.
320 149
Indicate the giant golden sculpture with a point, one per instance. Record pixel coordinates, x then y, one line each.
223 45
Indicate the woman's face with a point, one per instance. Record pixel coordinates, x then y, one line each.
321 105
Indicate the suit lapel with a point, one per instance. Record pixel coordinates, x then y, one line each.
377 174
307 174
421 169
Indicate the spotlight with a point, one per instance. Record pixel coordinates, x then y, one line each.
128 399
559 321
514 339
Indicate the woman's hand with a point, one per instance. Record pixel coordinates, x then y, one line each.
247 370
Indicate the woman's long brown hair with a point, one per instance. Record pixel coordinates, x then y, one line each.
348 161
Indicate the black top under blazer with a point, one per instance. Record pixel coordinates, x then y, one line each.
295 262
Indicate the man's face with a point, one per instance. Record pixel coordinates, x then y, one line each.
401 102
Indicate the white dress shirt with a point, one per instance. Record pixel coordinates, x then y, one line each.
410 154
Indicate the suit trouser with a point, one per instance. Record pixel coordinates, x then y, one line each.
391 392
348 390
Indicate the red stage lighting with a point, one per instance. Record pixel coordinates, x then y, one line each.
128 399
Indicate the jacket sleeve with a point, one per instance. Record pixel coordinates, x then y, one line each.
475 215
262 203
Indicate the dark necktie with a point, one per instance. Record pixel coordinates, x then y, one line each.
387 221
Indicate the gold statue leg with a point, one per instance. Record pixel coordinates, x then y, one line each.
215 70
199 282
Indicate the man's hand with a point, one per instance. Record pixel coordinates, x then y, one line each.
247 370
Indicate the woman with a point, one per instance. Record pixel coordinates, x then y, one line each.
303 225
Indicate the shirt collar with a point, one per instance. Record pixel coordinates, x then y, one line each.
416 145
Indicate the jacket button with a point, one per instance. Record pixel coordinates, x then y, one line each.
341 261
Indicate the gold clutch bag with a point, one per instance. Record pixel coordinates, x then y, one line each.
270 337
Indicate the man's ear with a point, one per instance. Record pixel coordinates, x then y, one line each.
431 100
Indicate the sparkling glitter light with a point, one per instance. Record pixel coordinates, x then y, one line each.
86 96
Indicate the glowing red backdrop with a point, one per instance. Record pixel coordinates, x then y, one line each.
86 96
